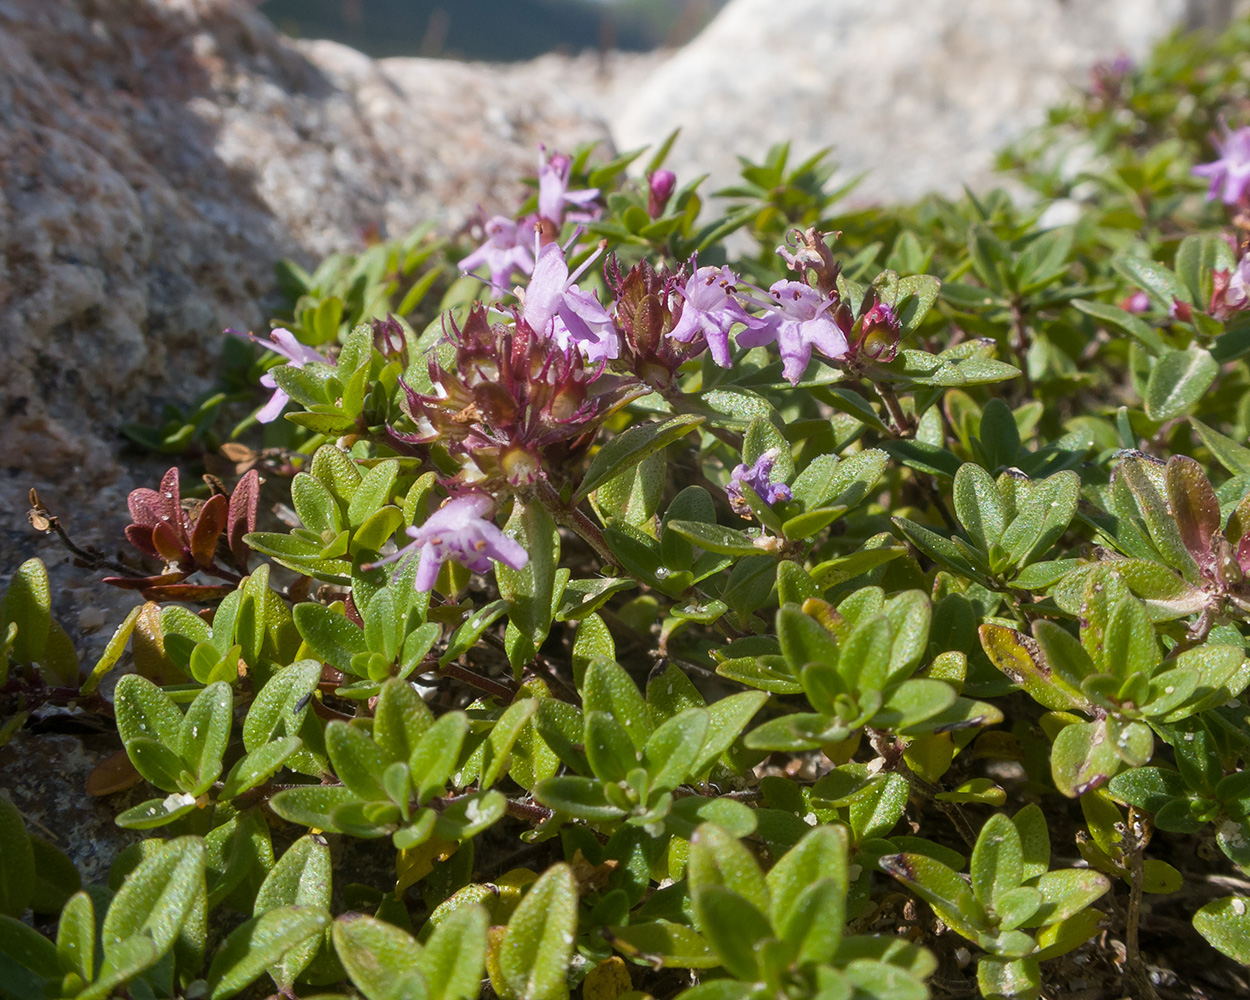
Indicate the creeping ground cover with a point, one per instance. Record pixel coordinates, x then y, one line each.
728 599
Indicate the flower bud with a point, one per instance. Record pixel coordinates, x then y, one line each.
661 185
879 333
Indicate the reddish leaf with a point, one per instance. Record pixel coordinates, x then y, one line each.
208 528
188 592
143 582
150 507
242 516
140 536
170 545
114 773
1195 507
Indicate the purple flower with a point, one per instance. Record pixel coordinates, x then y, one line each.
556 309
459 530
757 475
798 320
1230 174
297 355
554 193
709 310
506 251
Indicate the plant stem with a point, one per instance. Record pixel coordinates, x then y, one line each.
899 423
496 689
570 517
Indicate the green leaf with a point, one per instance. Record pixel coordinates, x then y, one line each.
530 590
538 943
331 635
358 760
718 859
666 944
608 748
1021 659
497 750
1066 893
156 898
56 878
1138 474
727 717
1008 979
28 604
581 798
628 449
301 877
279 707
827 481
29 962
978 506
75 937
17 861
912 702
454 954
1226 924
381 960
143 710
609 689
312 805
1233 456
374 492
1178 381
716 538
942 888
204 734
400 718
804 640
733 926
672 751
1045 514
807 888
997 863
470 631
1030 824
435 756
1126 322
1082 758
261 942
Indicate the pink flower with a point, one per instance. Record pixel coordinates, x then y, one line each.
297 355
554 193
459 530
505 252
556 309
1230 174
798 320
709 310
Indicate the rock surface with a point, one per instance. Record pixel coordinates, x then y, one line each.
920 95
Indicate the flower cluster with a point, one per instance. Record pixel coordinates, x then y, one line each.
513 403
